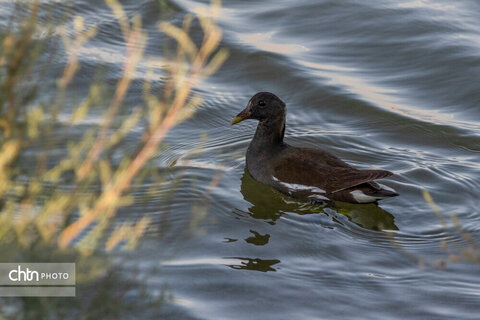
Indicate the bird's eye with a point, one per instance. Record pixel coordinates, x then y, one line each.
261 103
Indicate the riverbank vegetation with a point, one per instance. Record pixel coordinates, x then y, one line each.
63 175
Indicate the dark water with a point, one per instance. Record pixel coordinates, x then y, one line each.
382 84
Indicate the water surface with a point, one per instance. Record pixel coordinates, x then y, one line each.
381 84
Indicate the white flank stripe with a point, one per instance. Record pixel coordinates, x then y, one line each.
361 197
300 187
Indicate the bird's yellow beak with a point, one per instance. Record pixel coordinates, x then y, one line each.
245 114
236 119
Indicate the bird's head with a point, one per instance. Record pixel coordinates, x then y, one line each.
263 106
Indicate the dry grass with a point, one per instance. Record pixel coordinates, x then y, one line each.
467 251
40 208
62 207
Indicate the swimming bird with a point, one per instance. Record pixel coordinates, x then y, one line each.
307 173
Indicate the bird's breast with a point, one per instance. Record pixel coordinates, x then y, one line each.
258 164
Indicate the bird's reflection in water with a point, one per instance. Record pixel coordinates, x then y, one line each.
269 204
261 265
258 239
368 216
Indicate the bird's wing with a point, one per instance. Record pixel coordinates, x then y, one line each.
344 178
313 167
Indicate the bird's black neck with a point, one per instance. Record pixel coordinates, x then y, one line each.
269 133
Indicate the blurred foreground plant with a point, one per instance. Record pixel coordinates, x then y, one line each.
74 197
465 250
451 225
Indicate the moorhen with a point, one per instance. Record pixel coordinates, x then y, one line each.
304 173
